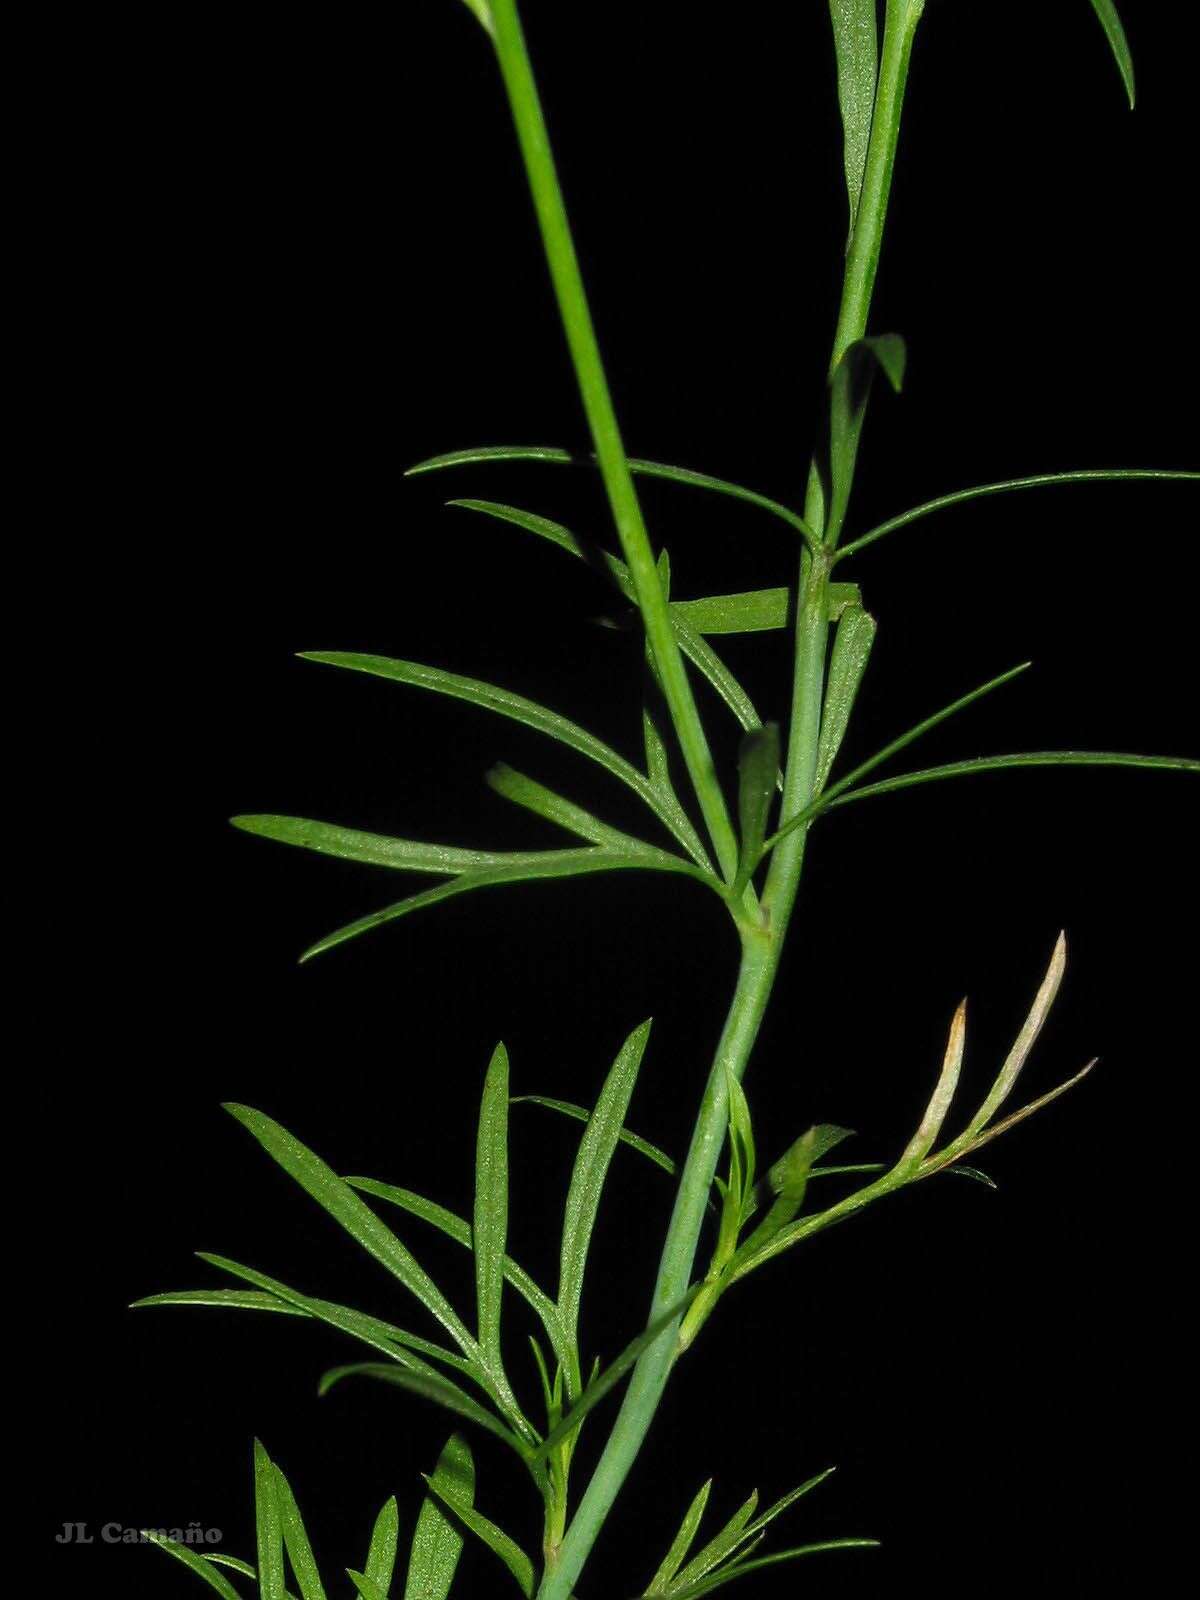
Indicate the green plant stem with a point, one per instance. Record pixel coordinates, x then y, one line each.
756 975
762 946
862 263
573 306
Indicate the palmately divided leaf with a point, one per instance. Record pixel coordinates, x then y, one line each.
437 1543
857 48
1118 43
348 1209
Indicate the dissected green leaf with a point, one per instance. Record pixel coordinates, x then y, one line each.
437 1543
603 1382
430 1386
797 1164
923 1140
295 1538
554 533
757 611
491 1206
758 768
681 1543
268 1526
200 1565
1118 43
378 850
1037 758
648 469
936 1163
551 864
591 1168
857 48
765 1518
850 389
702 655
582 1114
509 1552
225 1299
385 1540
743 1155
1025 1040
544 802
716 1550
830 796
232 1562
385 1337
341 1202
367 1588
788 1179
742 1569
505 704
689 640
852 643
456 1227
1041 480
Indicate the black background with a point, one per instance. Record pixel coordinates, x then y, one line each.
283 257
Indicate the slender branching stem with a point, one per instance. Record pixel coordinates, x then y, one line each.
762 945
602 420
756 975
862 263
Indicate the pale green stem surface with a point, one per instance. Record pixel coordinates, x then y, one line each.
606 434
761 946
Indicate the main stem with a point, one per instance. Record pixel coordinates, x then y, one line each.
762 944
602 421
